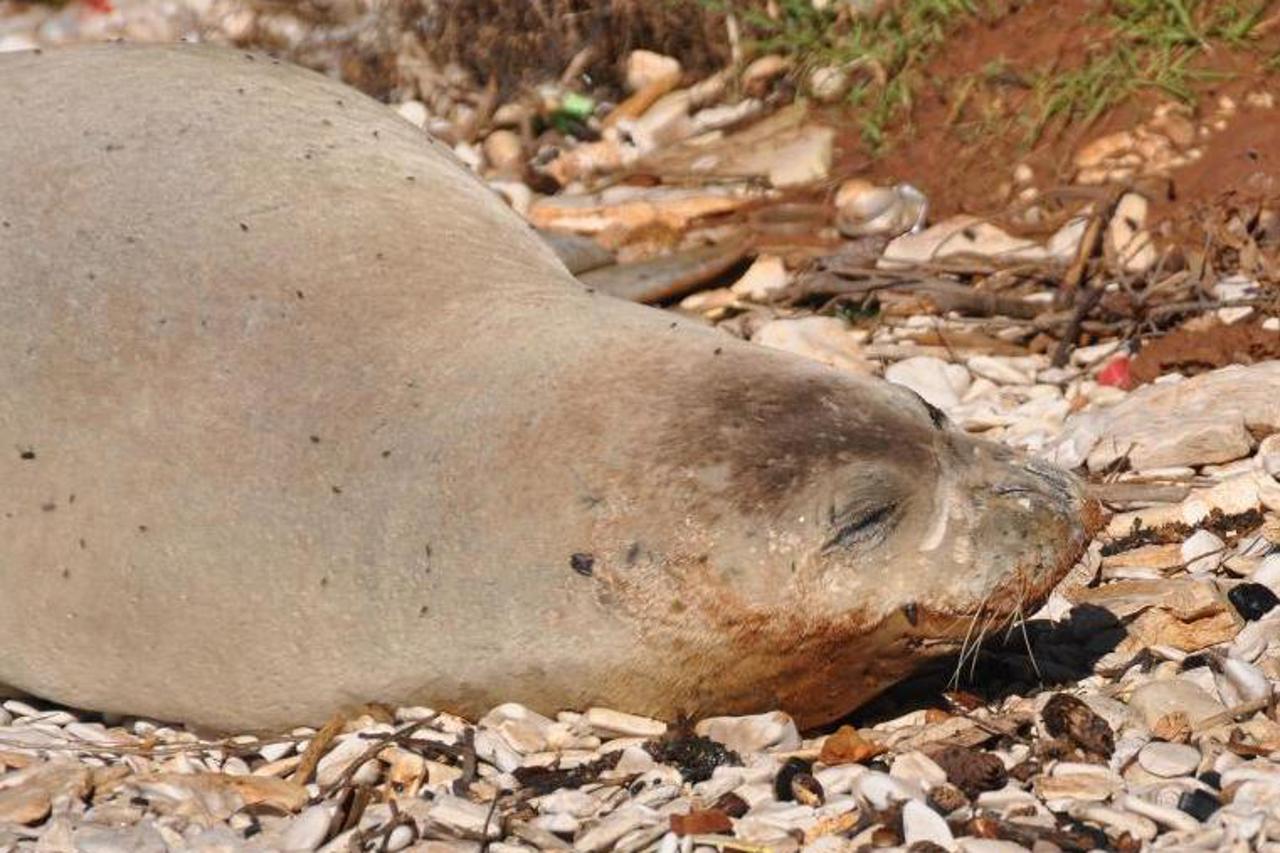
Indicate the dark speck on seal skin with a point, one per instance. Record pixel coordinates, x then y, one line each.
583 564
244 226
49 506
315 439
337 490
27 454
633 553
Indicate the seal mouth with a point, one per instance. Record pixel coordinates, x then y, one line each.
1021 592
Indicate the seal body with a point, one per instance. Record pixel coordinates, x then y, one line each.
296 415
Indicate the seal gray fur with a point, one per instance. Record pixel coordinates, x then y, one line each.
297 415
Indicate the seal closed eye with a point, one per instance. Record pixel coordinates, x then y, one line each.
221 567
865 525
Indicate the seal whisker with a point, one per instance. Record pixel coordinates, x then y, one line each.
977 646
964 644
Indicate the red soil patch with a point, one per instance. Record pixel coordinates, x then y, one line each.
965 165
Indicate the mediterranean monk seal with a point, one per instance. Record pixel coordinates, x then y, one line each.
297 415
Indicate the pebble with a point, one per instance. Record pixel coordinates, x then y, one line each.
765 278
865 209
763 70
645 68
609 723
921 824
758 733
919 768
940 383
829 83
308 830
1169 759
414 112
1203 552
1159 699
825 339
1141 828
881 790
504 152
461 816
1126 236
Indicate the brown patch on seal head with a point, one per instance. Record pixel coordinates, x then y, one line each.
729 656
772 431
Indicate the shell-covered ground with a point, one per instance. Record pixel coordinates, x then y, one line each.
1107 300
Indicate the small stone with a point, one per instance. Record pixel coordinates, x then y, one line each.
864 209
414 112
609 723
1252 600
1157 700
1127 237
921 824
1200 804
1000 370
1137 826
335 762
829 83
504 151
917 767
1203 552
606 834
745 735
1241 681
971 770
938 382
825 339
881 790
1169 759
1163 815
308 830
766 277
462 817
701 822
846 746
511 114
805 157
1268 572
645 68
960 236
761 72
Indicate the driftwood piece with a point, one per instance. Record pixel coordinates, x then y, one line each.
668 277
580 254
940 294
